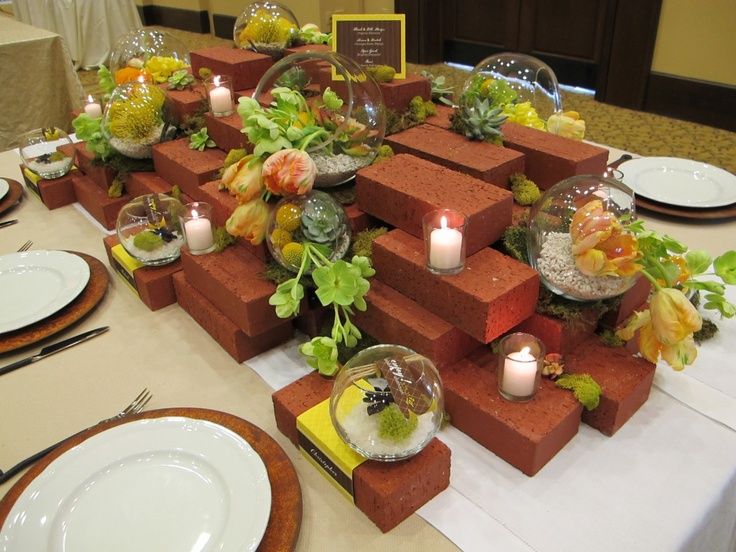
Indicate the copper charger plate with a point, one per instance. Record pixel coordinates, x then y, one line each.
285 520
91 295
694 213
13 197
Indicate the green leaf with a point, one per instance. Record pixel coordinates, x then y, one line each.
698 261
725 267
713 287
331 99
673 245
105 79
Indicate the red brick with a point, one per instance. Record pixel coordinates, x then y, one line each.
526 435
296 398
632 300
490 296
303 49
155 284
245 68
625 379
402 189
399 92
101 174
357 219
57 192
96 202
389 492
391 315
237 344
143 183
176 163
442 119
225 131
184 104
233 282
551 158
481 160
265 99
559 336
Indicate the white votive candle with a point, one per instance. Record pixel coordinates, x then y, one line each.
519 373
445 246
220 100
198 231
92 108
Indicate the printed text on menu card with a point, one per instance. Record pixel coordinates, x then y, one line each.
371 39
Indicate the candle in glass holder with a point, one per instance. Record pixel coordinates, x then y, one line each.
198 227
521 357
221 101
444 235
92 108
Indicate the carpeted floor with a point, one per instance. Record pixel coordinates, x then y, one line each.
635 131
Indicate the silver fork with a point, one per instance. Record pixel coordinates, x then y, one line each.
133 408
25 247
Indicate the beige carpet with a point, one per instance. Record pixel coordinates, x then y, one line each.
635 131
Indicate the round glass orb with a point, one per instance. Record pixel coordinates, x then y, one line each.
387 402
40 151
352 116
577 241
148 55
265 27
519 78
134 119
149 229
313 217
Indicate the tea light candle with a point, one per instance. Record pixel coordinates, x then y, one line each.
198 231
92 108
220 99
519 373
445 246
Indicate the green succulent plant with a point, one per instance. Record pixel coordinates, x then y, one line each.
320 222
478 120
295 78
180 80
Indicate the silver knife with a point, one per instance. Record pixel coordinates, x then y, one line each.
54 348
8 223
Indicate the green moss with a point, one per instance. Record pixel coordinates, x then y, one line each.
525 191
276 273
571 311
233 156
147 240
706 332
419 110
117 187
176 192
584 387
610 339
384 152
223 239
514 242
394 426
381 73
363 242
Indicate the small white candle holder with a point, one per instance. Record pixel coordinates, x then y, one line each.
196 222
220 95
444 241
92 107
520 362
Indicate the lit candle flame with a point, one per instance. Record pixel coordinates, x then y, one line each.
525 351
195 215
443 222
90 99
216 80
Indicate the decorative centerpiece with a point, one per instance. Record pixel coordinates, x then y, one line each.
387 402
517 88
147 55
149 229
341 128
265 27
39 149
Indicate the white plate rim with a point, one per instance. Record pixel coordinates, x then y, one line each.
183 435
634 169
4 188
74 270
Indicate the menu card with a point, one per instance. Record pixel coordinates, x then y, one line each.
371 39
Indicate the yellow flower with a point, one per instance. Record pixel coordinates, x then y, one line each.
162 67
673 316
567 124
244 179
524 114
249 221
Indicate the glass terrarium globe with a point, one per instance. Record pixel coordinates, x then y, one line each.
313 217
387 402
524 78
577 226
134 119
265 27
149 229
354 129
40 151
147 54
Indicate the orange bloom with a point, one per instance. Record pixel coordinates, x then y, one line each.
131 74
249 221
289 172
243 179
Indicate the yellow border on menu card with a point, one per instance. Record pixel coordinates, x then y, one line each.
401 72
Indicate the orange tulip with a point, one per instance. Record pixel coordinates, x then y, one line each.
249 221
289 172
244 179
131 74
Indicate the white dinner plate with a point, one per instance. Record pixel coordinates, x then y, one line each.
680 182
4 187
36 284
163 484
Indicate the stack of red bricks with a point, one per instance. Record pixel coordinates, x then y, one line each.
450 319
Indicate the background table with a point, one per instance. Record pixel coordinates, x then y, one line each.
90 27
39 87
666 481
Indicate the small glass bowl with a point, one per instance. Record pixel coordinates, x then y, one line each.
40 151
313 217
149 229
148 55
550 241
265 27
366 413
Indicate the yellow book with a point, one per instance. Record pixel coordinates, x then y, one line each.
125 266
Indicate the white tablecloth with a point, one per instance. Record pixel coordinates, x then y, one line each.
89 27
